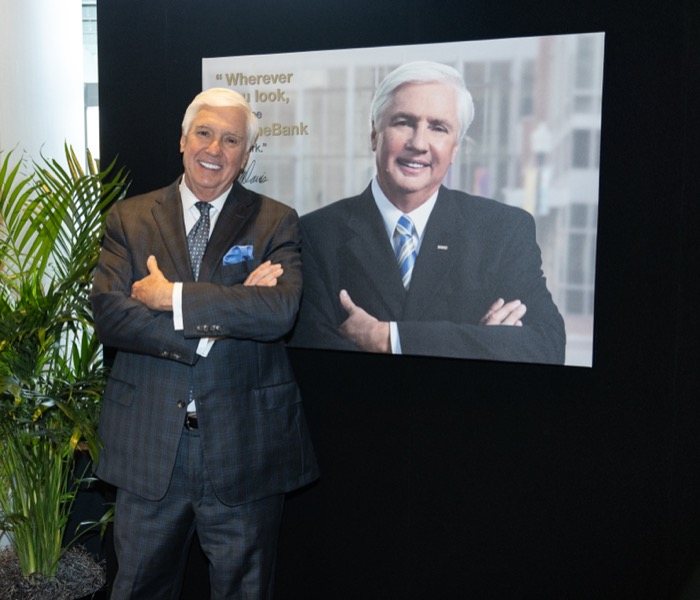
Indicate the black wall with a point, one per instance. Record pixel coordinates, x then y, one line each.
467 479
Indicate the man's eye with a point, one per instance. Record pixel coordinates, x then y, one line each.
232 141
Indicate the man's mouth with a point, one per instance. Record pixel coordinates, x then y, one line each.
405 162
208 165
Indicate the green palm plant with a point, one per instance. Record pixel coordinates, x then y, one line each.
51 369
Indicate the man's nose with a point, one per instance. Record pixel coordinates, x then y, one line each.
214 146
418 140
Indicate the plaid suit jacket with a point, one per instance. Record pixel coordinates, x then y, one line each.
254 435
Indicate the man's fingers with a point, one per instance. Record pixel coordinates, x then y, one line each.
275 273
269 279
152 264
492 309
509 313
266 274
346 302
514 316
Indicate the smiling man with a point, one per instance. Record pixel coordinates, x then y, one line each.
197 286
412 267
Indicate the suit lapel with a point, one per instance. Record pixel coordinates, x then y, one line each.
239 207
167 213
369 248
441 247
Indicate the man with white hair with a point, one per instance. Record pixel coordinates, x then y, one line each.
197 286
412 267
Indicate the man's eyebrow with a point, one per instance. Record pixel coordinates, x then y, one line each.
441 122
403 115
225 133
433 122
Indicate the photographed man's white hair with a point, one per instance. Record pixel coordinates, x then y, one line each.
418 72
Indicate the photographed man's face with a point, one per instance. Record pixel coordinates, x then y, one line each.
416 142
214 150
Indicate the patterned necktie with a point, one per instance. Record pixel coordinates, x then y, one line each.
198 237
406 252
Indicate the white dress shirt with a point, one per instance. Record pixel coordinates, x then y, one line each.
191 215
391 215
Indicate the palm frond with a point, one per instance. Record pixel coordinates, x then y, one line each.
51 370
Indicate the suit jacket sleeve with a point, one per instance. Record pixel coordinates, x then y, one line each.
320 313
512 270
225 307
122 322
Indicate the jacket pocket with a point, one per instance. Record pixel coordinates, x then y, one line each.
120 392
276 397
236 273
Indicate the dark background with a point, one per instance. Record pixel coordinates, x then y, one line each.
468 479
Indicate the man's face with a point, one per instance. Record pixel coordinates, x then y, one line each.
214 150
416 142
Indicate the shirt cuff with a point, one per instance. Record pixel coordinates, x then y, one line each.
205 344
394 338
178 321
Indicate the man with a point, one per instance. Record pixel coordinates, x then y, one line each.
202 423
412 267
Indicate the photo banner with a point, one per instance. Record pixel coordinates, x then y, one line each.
534 143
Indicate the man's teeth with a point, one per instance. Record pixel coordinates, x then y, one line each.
207 165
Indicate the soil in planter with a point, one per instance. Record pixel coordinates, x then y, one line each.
79 574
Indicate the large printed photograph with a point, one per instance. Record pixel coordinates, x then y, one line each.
448 192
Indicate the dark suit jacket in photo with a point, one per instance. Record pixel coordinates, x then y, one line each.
474 251
254 435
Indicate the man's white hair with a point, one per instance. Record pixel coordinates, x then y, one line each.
222 97
423 71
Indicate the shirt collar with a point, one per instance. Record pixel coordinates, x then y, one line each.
189 199
391 214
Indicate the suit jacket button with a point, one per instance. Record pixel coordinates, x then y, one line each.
176 356
181 404
216 328
164 353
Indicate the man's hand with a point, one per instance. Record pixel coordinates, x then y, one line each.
361 328
505 313
154 290
266 275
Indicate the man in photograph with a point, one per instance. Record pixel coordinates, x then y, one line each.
411 267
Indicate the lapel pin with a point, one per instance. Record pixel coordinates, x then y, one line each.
441 247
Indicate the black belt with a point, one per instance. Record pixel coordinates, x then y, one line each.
191 422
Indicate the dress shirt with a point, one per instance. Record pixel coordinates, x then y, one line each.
191 215
390 216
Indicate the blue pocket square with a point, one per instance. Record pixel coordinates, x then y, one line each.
238 254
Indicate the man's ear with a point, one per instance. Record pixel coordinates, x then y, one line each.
244 164
183 141
373 137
